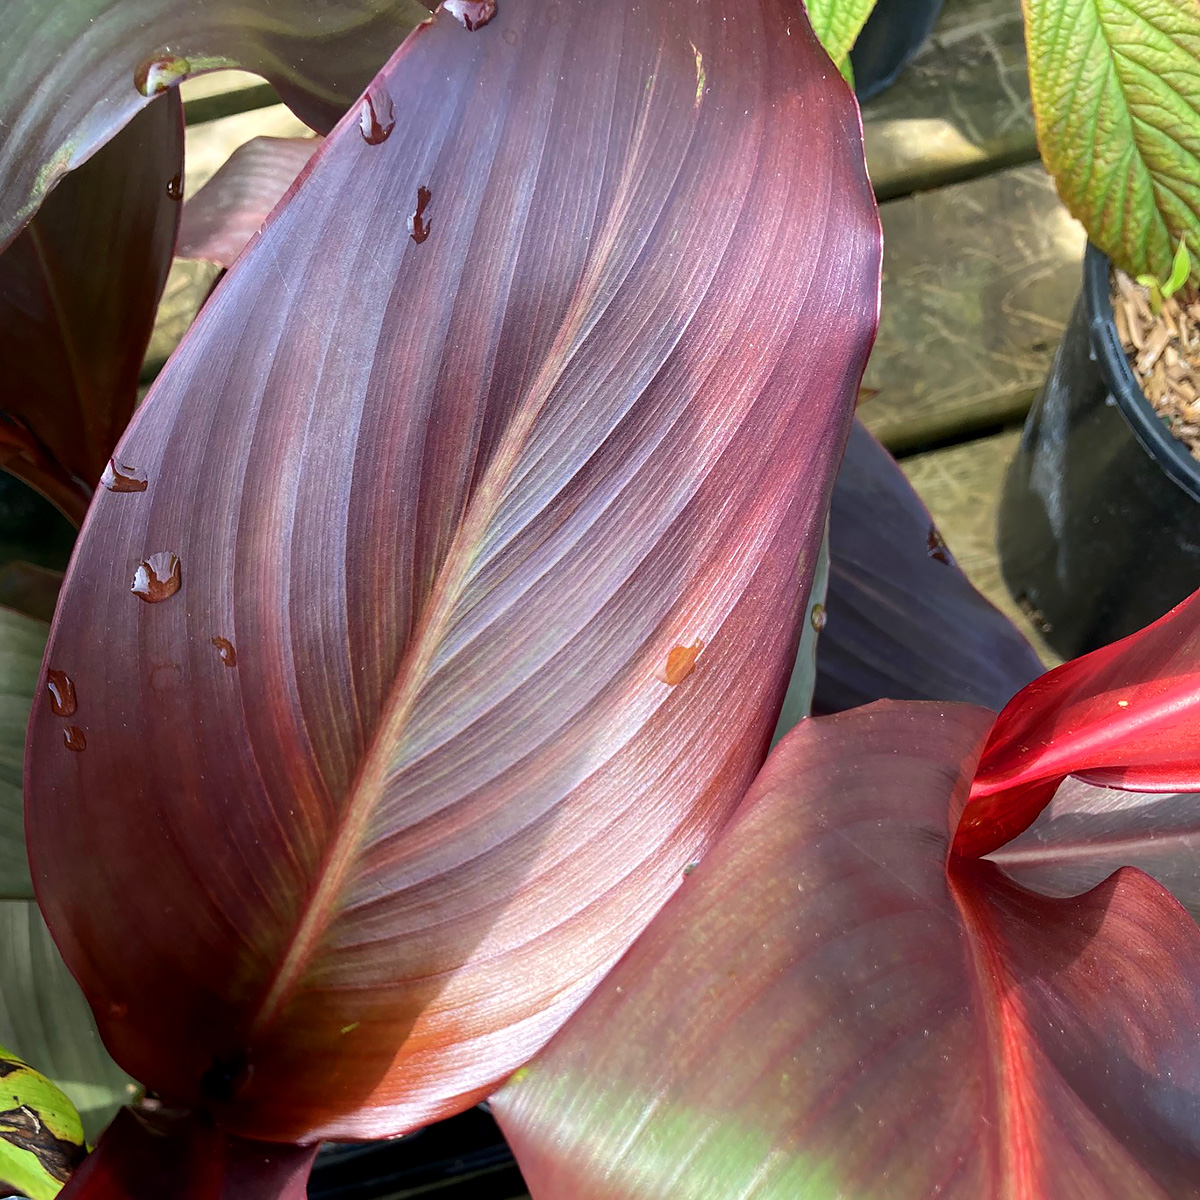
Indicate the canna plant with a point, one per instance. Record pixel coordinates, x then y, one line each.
433 615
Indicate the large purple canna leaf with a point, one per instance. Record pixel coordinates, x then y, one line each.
903 622
495 471
825 1010
72 73
78 293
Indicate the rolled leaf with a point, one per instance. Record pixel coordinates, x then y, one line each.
41 1140
482 501
1122 716
824 1010
1116 94
78 293
155 1153
230 208
902 620
1086 832
73 73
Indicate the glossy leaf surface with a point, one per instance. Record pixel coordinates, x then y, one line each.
151 1155
824 1011
41 1140
1117 98
69 71
78 293
230 208
1122 716
1086 832
902 620
482 500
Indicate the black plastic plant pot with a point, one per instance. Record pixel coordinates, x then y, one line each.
1099 530
894 32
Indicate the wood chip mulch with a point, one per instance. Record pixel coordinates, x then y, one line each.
1164 352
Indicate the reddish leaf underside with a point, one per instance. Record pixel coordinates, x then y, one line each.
1121 716
542 372
229 209
152 1155
902 621
78 292
823 1010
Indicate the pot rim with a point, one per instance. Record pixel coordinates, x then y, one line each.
1147 426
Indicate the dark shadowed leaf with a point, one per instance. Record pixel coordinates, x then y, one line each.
29 589
70 71
1122 716
78 293
483 499
824 1011
229 209
1086 832
902 621
159 1154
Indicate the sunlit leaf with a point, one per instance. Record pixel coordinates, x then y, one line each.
1122 716
823 1011
483 499
1117 98
78 293
837 23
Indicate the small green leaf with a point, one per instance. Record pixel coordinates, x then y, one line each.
41 1138
1116 91
1181 268
837 23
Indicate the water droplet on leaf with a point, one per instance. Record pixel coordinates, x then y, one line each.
681 662
157 577
377 117
937 547
62 693
474 14
157 74
817 617
418 227
118 1009
74 738
175 187
226 651
510 36
119 478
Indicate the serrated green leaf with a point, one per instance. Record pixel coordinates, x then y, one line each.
41 1138
837 23
1116 90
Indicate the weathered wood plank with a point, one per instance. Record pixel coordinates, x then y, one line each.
960 109
960 485
978 282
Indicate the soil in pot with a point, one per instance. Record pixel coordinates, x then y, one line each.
1099 530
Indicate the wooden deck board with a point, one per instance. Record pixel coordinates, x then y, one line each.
960 485
978 282
960 109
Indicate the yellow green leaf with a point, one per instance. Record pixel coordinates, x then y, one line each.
837 23
1116 90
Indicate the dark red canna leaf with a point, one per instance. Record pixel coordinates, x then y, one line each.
902 621
78 293
1086 832
231 207
156 1155
1123 716
74 72
824 1010
404 764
